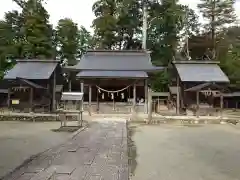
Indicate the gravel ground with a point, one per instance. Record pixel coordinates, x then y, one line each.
199 152
20 140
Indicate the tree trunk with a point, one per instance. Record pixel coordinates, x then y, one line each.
213 30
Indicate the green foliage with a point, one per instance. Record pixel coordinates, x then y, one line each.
28 34
118 25
218 13
105 24
67 40
38 33
166 21
71 41
7 50
190 22
85 41
228 51
232 66
129 21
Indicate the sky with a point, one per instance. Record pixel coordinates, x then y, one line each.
80 11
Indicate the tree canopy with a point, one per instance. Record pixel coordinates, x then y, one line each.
174 31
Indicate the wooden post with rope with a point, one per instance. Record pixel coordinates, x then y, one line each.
117 91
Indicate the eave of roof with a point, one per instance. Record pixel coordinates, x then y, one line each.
196 62
153 69
201 72
112 74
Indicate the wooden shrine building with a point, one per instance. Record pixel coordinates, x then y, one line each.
113 77
198 81
33 85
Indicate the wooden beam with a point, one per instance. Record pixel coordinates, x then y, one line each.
197 111
178 97
90 99
54 92
31 100
146 96
97 101
134 97
221 103
114 103
69 85
82 90
149 106
9 98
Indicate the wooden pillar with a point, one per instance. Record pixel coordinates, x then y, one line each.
90 99
49 92
178 97
31 100
146 96
54 92
168 99
69 85
97 101
149 106
114 103
82 90
134 97
197 111
221 103
9 98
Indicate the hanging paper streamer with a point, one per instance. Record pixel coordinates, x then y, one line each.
102 95
99 90
122 95
112 96
120 90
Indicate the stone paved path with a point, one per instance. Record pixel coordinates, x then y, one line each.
99 152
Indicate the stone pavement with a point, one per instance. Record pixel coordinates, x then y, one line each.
98 152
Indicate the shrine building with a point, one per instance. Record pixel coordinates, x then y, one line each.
113 80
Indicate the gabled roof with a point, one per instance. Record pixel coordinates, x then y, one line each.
112 74
200 71
116 60
32 69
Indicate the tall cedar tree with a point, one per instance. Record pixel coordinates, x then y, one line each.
67 40
85 41
38 33
7 49
218 13
105 23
